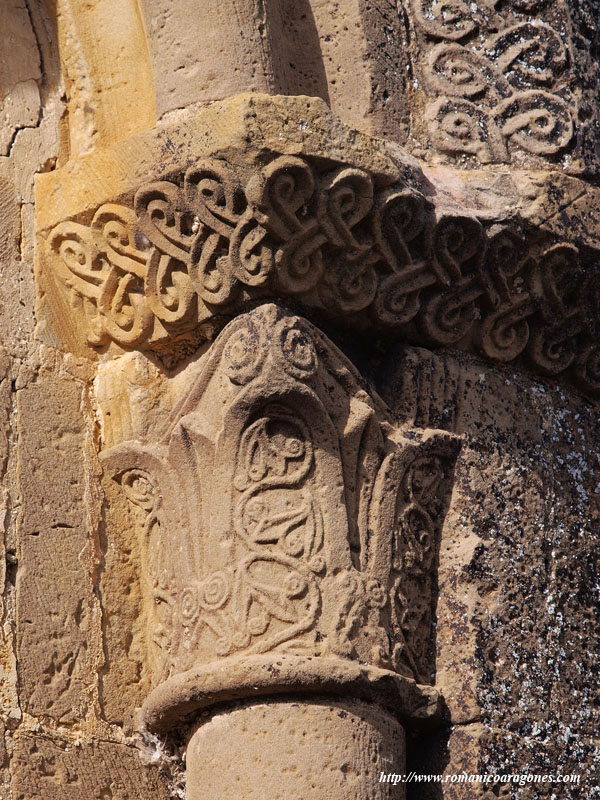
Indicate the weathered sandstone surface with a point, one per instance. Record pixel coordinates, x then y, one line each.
299 380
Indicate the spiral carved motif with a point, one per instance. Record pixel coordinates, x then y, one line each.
379 257
499 84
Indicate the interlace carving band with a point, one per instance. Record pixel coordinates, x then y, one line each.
154 276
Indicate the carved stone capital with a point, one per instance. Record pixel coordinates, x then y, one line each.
288 530
362 240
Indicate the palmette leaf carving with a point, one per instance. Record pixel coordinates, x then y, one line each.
282 510
200 246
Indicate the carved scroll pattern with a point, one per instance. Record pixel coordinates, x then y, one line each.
203 247
272 596
414 557
309 523
501 79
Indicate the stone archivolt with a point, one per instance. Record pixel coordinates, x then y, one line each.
310 525
204 244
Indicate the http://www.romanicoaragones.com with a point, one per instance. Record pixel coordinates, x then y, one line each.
520 779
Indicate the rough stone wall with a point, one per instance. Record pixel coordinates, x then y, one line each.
516 597
54 740
518 589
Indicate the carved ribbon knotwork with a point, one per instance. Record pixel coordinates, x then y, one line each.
202 246
499 84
